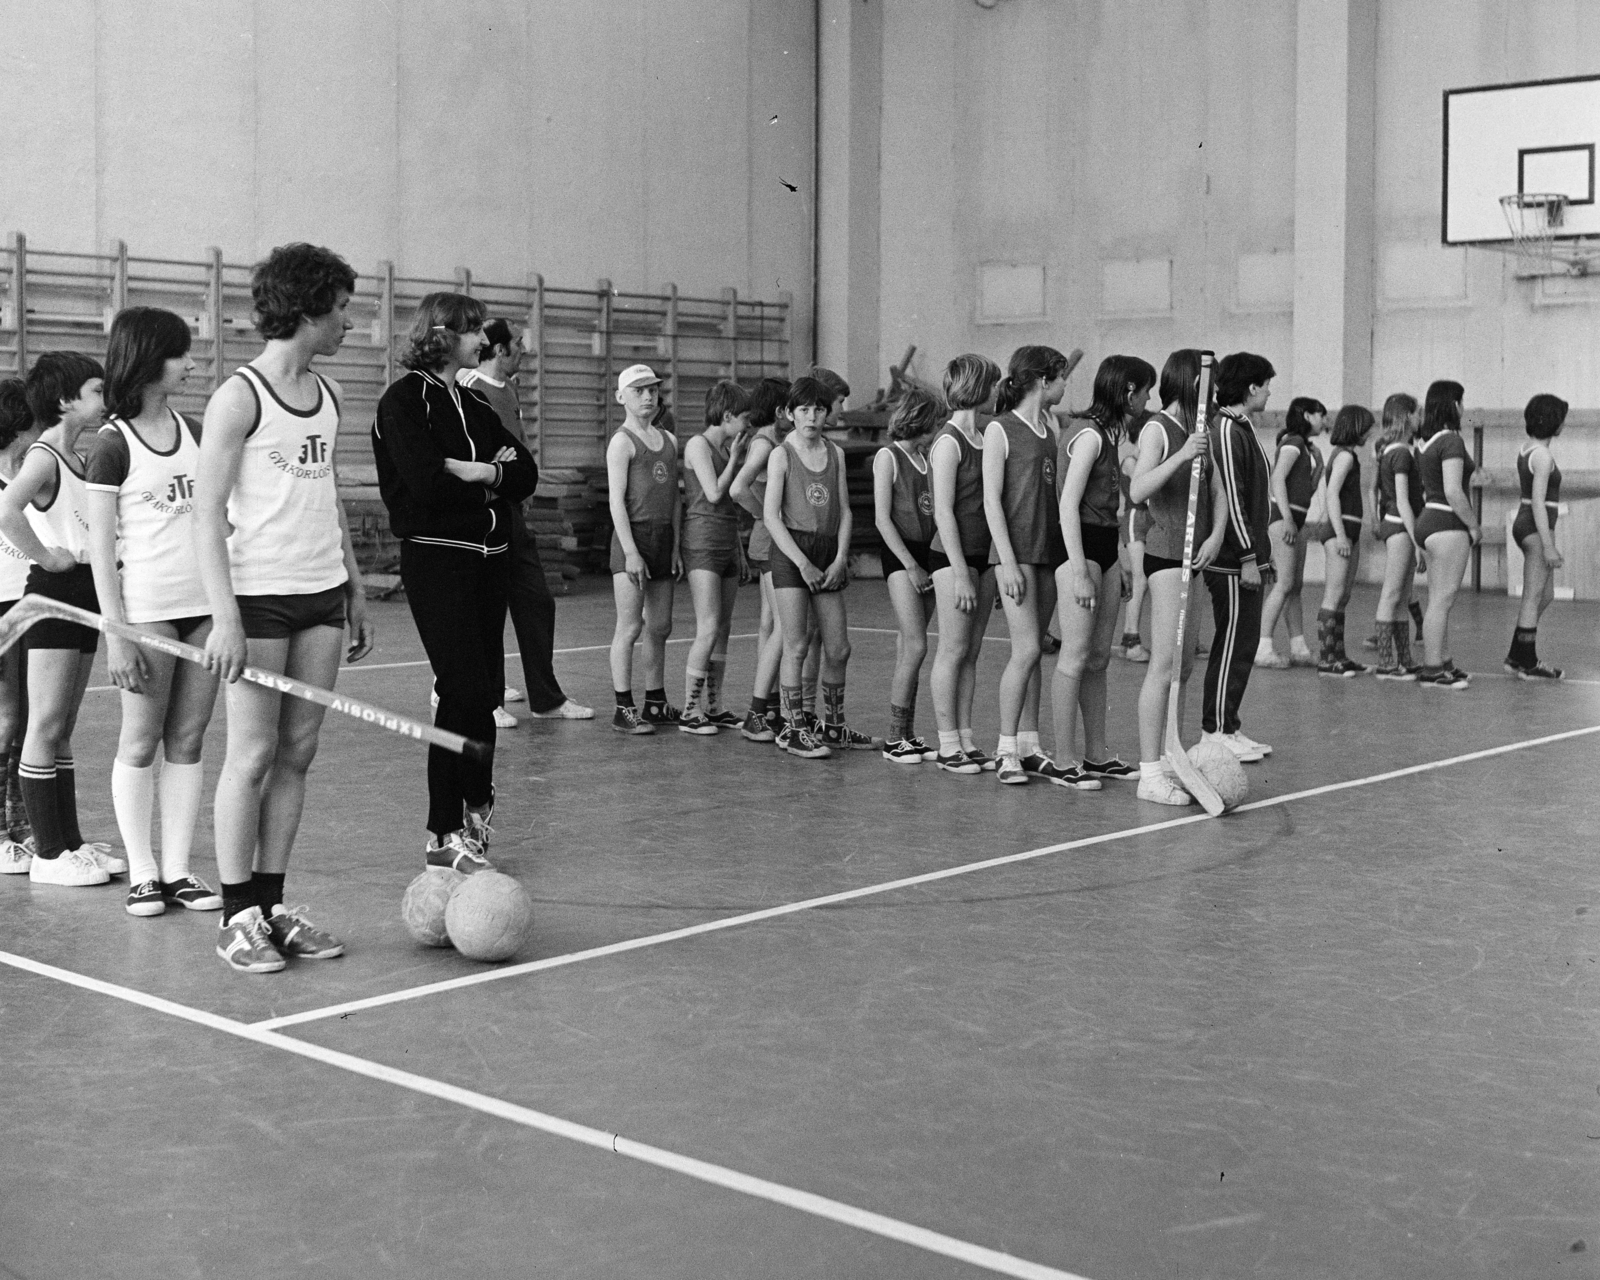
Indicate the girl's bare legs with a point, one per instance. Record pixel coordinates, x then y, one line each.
1164 603
1538 582
1284 598
630 625
1080 679
1448 551
1019 705
912 609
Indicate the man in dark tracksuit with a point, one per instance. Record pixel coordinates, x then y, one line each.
1235 579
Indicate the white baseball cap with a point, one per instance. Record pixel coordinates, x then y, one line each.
637 375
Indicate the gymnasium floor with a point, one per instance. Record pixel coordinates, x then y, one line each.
1347 1032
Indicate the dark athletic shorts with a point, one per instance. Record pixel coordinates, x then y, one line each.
819 548
710 544
76 587
977 559
1433 521
1100 544
1523 527
1155 564
758 567
1389 526
891 562
1324 532
279 617
655 545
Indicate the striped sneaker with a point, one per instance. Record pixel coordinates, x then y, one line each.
694 720
1063 775
985 763
1538 671
296 937
902 751
724 719
1008 769
245 944
957 762
1112 768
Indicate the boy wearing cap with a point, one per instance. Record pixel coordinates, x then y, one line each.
528 598
642 479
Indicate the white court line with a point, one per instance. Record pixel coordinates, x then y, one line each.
888 886
717 1175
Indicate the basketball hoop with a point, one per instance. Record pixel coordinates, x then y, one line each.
1534 218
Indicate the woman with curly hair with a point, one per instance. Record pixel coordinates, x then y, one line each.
280 576
453 479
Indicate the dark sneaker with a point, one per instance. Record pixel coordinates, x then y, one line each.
1341 669
1538 671
1457 672
1112 768
475 826
901 751
628 720
928 753
1394 673
957 762
458 852
245 944
756 729
695 721
1036 762
845 738
724 719
1442 678
1064 775
191 893
798 740
297 937
661 713
146 900
985 763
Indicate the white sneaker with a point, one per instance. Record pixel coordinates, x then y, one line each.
15 857
1246 755
1250 744
107 861
74 868
568 710
511 695
1163 789
503 719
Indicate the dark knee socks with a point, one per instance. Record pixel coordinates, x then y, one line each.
1416 617
67 801
1524 647
41 798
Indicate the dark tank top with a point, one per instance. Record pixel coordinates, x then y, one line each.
1028 493
1431 457
700 508
1552 493
1350 490
911 506
1099 503
652 481
968 502
1169 505
1396 460
1304 472
813 501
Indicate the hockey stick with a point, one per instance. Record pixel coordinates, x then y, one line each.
33 608
1194 782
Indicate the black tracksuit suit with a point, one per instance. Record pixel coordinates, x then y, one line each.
453 562
1235 608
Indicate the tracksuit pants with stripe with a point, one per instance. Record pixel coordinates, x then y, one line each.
1236 610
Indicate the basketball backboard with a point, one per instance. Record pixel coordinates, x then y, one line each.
1505 139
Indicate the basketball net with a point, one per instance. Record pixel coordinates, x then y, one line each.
1534 218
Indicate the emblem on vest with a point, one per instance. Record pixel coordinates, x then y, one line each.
659 472
817 493
311 463
925 503
181 488
177 501
1048 468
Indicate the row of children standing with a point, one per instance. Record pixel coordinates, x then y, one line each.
1418 507
982 496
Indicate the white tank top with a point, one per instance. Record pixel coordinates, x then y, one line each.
159 572
14 567
65 522
284 507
